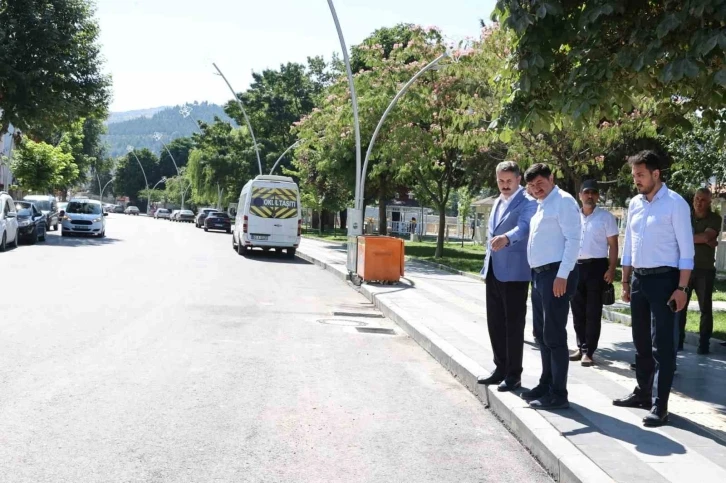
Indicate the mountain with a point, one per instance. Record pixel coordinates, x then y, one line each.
138 131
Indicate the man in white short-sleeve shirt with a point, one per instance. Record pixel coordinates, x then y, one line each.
597 261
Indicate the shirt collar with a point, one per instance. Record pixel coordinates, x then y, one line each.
661 193
594 212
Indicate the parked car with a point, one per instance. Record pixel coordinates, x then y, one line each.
218 220
48 205
108 208
174 215
162 213
31 222
84 216
118 209
202 215
8 222
131 210
186 216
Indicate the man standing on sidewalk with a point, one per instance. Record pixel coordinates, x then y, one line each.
658 254
507 276
706 228
554 242
597 262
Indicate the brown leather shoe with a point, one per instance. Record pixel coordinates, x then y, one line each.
576 356
587 361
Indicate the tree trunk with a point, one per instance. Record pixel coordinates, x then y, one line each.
442 229
382 218
344 220
320 222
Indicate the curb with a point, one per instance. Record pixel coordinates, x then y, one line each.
555 453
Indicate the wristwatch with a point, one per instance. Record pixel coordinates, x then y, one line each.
683 289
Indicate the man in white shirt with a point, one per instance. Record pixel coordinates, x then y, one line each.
596 262
659 255
554 243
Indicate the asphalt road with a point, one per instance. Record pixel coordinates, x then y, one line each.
158 354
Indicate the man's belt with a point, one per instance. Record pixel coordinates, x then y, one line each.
654 271
546 268
591 260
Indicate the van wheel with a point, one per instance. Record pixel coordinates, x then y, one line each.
291 252
241 250
4 243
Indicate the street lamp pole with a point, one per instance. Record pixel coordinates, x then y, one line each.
244 113
100 196
395 100
354 99
132 151
283 155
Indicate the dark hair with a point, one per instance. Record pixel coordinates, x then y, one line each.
509 167
650 159
539 169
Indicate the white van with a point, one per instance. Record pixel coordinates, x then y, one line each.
268 216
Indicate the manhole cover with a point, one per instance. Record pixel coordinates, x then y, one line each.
375 330
371 315
343 322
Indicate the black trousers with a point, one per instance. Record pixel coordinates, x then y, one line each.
506 318
702 282
587 304
549 315
655 330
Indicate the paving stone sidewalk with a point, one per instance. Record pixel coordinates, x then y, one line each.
593 440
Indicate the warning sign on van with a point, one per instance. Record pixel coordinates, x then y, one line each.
277 203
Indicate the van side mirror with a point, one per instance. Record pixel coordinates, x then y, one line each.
105 213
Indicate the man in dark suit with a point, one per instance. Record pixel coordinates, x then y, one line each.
507 275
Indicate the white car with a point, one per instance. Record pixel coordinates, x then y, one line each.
162 213
8 222
84 216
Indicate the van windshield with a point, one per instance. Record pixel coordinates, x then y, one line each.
41 205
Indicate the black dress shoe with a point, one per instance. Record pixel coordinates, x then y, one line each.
680 346
493 378
633 366
550 402
657 417
632 401
535 393
511 385
702 350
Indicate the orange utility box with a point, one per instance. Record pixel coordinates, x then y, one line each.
380 258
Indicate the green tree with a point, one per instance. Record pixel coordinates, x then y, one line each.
40 167
129 179
180 148
50 65
699 158
584 59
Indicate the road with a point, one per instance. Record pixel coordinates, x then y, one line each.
158 354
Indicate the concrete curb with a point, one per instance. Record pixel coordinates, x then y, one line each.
342 276
562 459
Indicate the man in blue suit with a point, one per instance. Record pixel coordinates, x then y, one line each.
507 274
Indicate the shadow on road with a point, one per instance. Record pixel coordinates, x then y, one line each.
274 257
79 241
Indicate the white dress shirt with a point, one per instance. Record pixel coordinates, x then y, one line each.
659 232
554 234
596 229
503 204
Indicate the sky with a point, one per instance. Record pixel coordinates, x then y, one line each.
160 52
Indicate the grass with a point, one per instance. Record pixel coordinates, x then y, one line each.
719 291
694 321
331 236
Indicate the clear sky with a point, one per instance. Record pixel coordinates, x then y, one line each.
160 52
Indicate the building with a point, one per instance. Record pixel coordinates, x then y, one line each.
6 149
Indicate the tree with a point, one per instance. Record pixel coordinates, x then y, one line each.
50 65
583 59
129 179
699 158
41 167
180 148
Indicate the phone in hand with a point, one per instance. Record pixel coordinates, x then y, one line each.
672 304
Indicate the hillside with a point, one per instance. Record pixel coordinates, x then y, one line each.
139 132
116 117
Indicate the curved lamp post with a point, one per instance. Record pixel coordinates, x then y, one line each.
101 190
158 136
132 150
354 99
244 113
395 100
186 112
283 155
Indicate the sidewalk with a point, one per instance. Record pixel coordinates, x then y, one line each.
592 441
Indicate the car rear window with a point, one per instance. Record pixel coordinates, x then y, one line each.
186 212
41 205
219 215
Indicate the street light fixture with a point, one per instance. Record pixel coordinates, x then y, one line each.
186 112
244 113
132 150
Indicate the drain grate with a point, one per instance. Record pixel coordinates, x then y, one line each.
375 330
343 322
371 315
